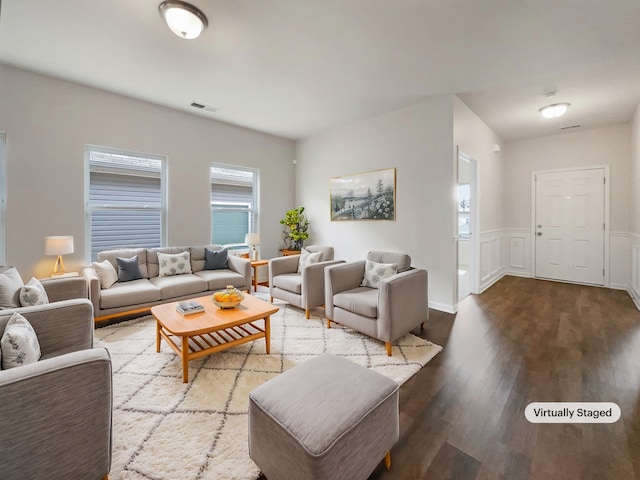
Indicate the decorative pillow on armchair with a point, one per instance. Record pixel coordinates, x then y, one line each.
19 343
308 258
174 264
375 272
33 293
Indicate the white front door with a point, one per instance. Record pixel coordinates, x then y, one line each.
569 226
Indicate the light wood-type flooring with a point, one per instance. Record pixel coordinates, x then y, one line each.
521 341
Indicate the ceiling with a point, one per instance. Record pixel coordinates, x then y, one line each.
297 67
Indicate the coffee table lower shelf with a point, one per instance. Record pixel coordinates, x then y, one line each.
191 347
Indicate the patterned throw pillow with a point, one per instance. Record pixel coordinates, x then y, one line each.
33 293
308 258
106 273
375 272
19 343
174 264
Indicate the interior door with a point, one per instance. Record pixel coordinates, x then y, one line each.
569 226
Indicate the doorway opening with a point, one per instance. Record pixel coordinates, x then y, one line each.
467 207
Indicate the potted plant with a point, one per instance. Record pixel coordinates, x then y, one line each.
296 228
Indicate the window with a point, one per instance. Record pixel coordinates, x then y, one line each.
3 189
126 201
464 210
234 207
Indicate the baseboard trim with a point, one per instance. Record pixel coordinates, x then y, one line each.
442 307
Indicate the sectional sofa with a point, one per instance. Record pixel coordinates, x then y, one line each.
129 296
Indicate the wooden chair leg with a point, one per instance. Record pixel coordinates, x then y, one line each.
388 345
422 326
106 477
271 300
387 460
328 323
307 314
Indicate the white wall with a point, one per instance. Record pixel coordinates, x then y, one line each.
603 146
418 142
634 214
474 138
49 121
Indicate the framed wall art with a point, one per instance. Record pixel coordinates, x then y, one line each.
364 196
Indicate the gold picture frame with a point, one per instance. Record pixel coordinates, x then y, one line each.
363 196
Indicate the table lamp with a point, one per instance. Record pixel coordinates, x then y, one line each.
253 239
58 245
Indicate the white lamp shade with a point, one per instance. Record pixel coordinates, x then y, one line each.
252 239
183 19
58 245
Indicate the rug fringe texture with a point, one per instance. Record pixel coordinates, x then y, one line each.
164 429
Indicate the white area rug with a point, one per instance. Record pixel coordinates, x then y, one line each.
165 429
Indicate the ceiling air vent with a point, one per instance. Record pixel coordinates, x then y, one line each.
201 106
571 126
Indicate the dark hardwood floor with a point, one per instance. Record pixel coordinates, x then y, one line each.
521 341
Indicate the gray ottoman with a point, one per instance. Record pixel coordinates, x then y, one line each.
328 418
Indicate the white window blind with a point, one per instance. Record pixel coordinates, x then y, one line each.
126 202
233 203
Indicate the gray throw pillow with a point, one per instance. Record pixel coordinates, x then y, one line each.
33 293
10 285
128 269
216 259
19 343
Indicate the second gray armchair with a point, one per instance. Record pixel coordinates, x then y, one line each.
302 287
381 304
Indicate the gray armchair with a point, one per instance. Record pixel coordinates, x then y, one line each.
398 305
55 414
306 289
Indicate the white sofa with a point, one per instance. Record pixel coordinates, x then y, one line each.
128 297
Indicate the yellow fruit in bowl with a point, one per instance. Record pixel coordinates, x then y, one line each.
228 298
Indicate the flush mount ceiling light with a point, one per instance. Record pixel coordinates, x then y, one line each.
183 19
554 110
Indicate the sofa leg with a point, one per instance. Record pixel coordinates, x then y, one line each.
307 314
387 460
422 326
106 477
388 345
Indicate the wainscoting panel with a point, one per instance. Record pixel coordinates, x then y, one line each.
492 257
619 264
634 287
519 241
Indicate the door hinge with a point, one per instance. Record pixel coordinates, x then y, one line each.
604 180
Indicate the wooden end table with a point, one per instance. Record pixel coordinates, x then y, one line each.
213 330
255 264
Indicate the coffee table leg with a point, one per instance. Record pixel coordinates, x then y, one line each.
185 359
158 337
267 333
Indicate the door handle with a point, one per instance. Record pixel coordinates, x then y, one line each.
539 233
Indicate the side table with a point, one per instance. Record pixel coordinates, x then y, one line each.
255 264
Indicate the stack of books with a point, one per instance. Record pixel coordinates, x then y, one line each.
188 307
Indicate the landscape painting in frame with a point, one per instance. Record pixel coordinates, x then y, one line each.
364 196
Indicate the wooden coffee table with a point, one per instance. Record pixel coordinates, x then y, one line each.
213 330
